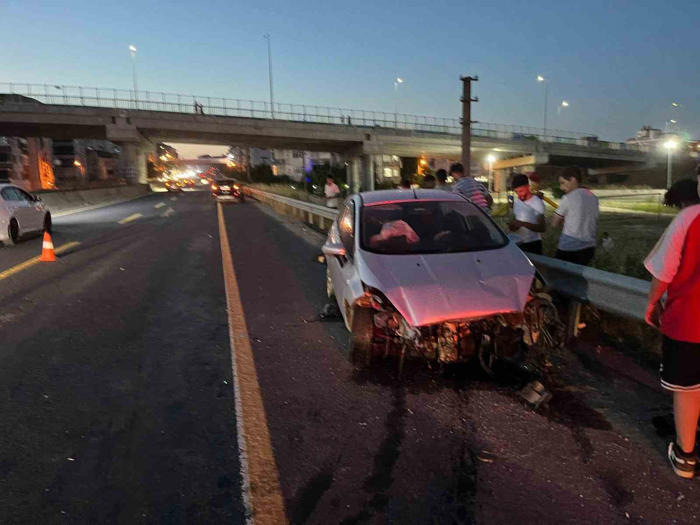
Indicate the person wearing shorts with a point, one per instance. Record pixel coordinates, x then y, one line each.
675 266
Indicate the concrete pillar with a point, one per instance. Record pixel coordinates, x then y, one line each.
132 163
354 169
367 172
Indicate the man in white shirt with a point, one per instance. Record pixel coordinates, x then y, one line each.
528 211
332 192
578 212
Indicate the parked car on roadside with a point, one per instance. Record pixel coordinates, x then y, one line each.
428 274
21 213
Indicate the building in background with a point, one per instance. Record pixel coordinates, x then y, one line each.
27 162
13 159
78 162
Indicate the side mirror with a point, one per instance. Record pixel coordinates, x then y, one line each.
333 249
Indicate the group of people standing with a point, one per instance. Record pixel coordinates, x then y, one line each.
577 213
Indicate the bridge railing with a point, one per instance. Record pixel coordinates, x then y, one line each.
221 106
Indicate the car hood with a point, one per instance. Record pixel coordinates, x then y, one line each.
432 288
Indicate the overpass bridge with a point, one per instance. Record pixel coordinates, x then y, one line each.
137 121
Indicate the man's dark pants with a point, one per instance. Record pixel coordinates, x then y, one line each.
531 247
583 257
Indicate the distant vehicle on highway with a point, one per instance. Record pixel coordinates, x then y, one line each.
224 190
173 186
21 213
427 273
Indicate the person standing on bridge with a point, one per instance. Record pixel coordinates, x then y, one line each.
674 264
578 212
470 188
331 191
528 212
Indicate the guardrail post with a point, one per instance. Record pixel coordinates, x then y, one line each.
573 319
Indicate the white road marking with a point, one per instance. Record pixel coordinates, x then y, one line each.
159 205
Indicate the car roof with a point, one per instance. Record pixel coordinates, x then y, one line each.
375 197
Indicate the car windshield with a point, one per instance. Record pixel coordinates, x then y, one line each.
428 227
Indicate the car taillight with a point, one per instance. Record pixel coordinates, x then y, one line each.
235 186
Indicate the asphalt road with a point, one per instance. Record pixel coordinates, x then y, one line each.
117 402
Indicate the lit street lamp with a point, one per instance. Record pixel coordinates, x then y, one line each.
132 52
670 145
562 104
398 81
544 81
491 159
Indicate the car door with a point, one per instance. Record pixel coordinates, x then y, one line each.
32 210
346 271
16 206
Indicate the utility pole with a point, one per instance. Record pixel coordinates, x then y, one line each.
467 121
269 66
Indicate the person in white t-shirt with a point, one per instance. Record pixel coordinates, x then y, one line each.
331 192
528 212
578 212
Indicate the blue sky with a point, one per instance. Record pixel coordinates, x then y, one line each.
620 63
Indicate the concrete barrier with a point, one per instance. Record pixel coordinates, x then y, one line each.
65 201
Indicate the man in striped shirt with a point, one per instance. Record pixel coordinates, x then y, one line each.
470 188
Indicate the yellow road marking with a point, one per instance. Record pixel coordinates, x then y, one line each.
130 218
262 495
159 205
31 262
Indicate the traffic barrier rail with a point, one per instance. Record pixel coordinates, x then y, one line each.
610 292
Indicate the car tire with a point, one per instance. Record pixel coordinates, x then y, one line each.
47 223
361 335
12 233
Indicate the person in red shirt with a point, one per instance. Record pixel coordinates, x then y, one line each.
675 266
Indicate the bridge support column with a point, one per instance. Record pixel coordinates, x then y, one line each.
367 172
132 163
354 170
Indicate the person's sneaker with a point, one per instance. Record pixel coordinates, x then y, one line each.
683 464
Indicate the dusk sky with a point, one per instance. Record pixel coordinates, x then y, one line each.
620 64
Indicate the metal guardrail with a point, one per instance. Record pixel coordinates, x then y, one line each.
611 292
219 106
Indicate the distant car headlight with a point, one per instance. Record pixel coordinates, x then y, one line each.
214 187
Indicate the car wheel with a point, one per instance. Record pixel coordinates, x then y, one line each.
47 223
361 352
330 292
12 233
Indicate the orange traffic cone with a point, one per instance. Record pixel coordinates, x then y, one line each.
47 253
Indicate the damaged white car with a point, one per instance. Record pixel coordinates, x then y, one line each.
426 273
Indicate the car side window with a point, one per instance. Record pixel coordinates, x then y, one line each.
23 195
10 194
346 227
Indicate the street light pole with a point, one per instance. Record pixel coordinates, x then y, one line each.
269 67
491 159
132 52
670 145
540 78
398 81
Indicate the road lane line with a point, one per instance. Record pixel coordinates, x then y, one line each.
130 218
31 262
262 495
159 205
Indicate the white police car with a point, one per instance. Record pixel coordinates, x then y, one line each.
21 213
